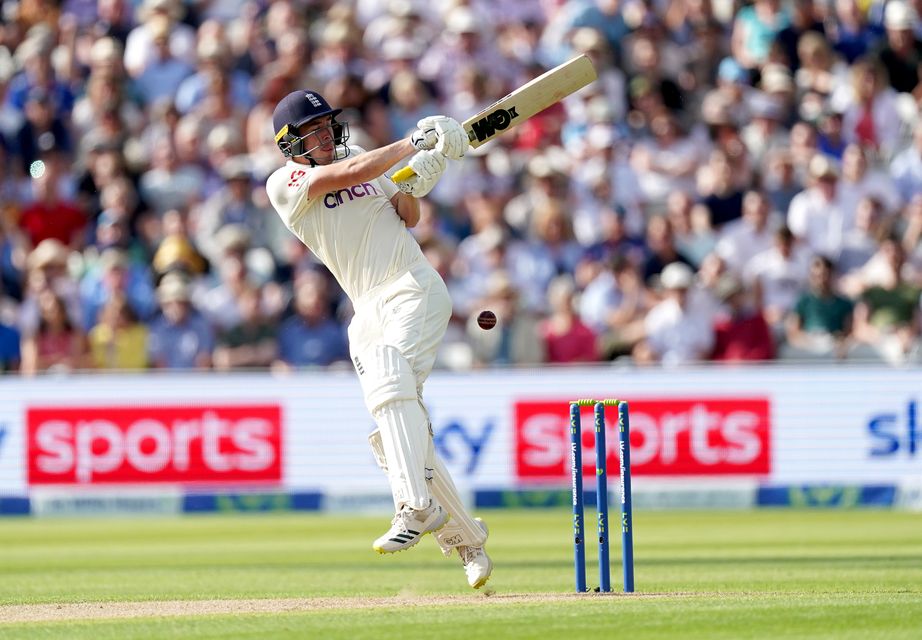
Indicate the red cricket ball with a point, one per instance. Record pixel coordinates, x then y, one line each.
486 320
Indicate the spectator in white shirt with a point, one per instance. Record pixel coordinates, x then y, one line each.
906 168
816 215
677 331
741 240
778 276
858 181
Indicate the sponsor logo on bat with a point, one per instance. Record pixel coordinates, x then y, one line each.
488 125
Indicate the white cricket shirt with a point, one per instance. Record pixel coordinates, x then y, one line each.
355 232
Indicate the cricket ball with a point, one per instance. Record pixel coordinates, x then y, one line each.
486 320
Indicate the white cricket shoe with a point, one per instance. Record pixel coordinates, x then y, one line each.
409 526
477 564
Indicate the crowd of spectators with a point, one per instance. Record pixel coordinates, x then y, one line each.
743 182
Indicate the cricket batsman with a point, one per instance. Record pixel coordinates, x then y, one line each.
336 199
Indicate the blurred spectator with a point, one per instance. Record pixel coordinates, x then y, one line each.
668 162
251 342
778 275
613 306
514 340
860 181
902 53
566 338
164 72
851 35
47 270
754 30
42 132
168 184
662 247
820 323
817 215
180 338
114 276
158 18
871 117
906 168
56 345
310 337
9 349
677 330
740 331
691 227
887 314
118 340
749 236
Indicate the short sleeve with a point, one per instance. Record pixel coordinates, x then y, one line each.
287 189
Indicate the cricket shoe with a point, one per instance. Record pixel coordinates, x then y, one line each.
409 526
477 564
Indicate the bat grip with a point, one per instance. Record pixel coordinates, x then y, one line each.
402 175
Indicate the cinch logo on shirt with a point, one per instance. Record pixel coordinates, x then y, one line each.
336 198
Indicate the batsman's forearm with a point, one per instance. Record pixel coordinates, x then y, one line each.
373 164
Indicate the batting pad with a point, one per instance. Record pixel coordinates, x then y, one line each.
407 444
462 529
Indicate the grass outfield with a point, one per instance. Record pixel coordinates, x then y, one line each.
709 575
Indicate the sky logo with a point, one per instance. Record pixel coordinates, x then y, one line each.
895 433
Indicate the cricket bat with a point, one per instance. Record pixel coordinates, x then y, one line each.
529 99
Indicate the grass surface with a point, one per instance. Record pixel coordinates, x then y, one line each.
759 574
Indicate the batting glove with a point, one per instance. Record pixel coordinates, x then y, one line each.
416 186
451 138
428 164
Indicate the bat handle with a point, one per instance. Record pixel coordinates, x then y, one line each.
402 175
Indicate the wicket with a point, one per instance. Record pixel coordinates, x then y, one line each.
601 468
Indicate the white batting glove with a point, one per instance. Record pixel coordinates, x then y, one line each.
416 186
428 164
451 138
424 140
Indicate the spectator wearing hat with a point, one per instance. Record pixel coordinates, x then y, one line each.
56 344
817 215
820 323
566 339
164 72
251 342
118 340
765 133
158 19
778 276
678 330
310 337
740 331
233 204
906 168
901 55
180 338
